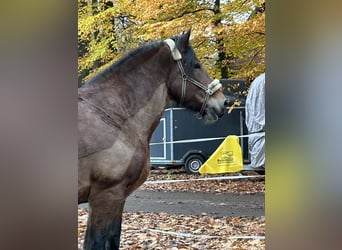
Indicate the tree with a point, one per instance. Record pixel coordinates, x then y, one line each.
228 36
101 36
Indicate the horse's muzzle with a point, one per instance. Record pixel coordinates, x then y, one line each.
212 113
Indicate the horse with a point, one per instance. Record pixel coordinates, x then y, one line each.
118 110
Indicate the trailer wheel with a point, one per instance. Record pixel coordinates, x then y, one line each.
193 164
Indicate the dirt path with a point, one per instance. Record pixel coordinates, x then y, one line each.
228 204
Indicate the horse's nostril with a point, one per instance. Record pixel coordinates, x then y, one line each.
225 103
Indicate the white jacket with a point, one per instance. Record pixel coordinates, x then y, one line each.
255 121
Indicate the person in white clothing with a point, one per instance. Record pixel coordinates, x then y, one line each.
255 121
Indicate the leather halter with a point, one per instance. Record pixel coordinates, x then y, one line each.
209 90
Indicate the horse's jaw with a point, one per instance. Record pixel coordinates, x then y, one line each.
210 117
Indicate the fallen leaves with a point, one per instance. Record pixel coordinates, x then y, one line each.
241 186
169 231
82 225
161 231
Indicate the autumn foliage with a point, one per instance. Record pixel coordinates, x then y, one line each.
228 36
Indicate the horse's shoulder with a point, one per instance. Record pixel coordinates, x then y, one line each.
94 134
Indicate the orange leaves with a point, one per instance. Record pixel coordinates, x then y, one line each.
106 32
157 10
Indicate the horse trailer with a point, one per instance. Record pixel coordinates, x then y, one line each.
181 139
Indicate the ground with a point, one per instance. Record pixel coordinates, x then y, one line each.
192 214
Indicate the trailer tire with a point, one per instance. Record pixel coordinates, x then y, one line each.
193 163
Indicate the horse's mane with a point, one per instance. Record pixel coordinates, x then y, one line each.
135 53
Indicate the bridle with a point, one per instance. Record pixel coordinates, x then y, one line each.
209 90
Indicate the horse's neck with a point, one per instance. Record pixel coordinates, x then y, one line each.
134 96
145 120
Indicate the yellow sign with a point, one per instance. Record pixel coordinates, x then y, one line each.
227 158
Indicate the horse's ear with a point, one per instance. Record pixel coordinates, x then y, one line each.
184 40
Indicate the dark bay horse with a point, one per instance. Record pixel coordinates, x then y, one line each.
118 111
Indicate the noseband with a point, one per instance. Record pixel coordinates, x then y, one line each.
209 90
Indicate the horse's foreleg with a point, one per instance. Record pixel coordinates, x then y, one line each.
113 241
104 224
110 187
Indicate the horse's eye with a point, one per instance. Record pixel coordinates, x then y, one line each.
197 66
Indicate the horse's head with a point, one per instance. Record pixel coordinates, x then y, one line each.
189 83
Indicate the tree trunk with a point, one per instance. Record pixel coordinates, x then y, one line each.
222 56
